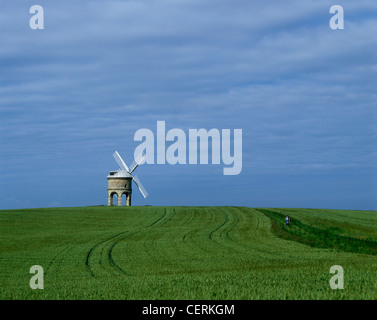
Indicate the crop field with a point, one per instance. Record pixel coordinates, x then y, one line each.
171 253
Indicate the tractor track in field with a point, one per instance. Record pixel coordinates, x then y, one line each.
188 235
101 246
101 254
150 245
225 228
189 217
211 217
220 235
231 227
100 257
57 259
210 235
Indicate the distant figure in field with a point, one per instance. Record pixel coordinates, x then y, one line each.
287 220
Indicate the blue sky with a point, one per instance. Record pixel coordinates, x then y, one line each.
303 94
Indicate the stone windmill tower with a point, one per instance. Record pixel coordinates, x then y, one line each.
120 181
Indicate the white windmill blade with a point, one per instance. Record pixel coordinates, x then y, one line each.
140 186
139 158
120 161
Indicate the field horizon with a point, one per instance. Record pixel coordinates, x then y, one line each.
187 252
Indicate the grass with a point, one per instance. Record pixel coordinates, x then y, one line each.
187 253
323 236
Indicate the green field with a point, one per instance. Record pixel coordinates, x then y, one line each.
187 253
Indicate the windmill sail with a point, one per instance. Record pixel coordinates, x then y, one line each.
138 160
120 161
140 186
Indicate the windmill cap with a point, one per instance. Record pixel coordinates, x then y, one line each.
119 174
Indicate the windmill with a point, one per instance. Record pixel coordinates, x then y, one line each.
120 181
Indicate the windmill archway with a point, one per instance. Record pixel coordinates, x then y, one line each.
126 198
114 197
